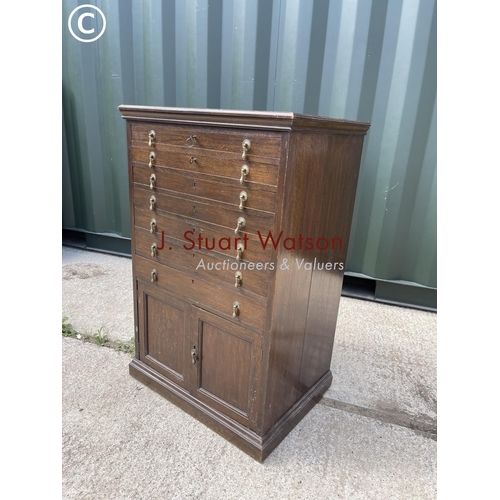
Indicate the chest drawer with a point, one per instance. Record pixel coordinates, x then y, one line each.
251 309
192 235
191 161
208 140
259 196
253 276
204 210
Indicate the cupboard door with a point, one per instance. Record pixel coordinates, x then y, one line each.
227 368
163 322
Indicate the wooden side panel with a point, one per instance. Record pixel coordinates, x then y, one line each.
292 285
320 188
334 205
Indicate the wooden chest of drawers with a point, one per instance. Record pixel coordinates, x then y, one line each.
240 225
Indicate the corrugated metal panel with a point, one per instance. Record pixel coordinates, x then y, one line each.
372 60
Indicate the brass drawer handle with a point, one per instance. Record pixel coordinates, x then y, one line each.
240 224
246 145
152 157
152 226
236 309
243 198
239 251
192 160
153 250
190 141
238 279
154 276
152 203
151 137
152 181
245 170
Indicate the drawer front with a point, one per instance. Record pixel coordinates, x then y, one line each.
207 266
204 210
210 140
259 196
251 308
194 236
193 161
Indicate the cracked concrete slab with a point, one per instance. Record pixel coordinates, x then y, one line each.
385 358
97 292
123 441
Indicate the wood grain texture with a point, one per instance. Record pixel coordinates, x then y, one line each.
220 189
228 367
176 227
204 211
206 140
319 205
213 296
254 376
207 265
163 345
251 120
337 190
220 166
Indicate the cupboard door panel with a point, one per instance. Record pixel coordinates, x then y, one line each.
163 345
228 366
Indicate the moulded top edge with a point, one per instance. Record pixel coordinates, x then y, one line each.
262 119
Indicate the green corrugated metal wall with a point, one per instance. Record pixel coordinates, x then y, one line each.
371 60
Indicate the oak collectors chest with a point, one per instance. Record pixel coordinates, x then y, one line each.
240 225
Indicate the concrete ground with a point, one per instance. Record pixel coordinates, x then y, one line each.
373 435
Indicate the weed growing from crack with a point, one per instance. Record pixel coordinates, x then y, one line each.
98 338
